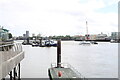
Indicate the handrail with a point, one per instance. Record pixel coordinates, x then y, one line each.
10 50
6 45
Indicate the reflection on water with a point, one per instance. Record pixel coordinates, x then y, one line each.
93 61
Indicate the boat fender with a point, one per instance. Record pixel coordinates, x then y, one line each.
59 73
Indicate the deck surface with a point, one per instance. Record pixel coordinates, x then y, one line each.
66 73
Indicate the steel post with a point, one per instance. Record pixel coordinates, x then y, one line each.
10 75
59 53
19 71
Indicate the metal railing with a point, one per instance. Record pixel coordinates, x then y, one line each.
10 50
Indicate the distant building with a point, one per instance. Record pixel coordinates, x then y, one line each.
39 35
115 35
97 37
93 37
27 34
79 37
33 35
101 36
24 36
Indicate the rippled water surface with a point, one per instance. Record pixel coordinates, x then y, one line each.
93 61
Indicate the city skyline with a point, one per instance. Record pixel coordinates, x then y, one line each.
59 17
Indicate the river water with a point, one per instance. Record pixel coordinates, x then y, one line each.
92 61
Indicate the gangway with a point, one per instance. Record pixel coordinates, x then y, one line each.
10 57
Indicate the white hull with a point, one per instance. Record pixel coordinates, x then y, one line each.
85 43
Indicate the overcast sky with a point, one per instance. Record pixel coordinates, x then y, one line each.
59 17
